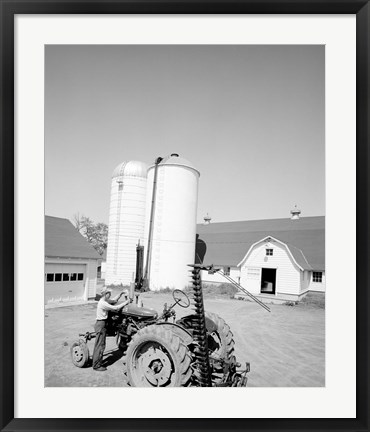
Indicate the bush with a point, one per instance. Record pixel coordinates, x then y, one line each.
313 299
166 290
209 290
224 289
228 289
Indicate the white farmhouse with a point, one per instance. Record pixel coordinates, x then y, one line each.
71 263
275 259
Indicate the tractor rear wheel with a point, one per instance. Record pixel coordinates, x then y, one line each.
156 357
219 336
220 339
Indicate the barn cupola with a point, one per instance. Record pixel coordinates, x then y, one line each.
295 213
207 219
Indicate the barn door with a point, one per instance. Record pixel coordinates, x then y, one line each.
268 281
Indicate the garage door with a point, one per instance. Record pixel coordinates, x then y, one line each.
64 282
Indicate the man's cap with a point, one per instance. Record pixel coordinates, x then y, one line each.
105 290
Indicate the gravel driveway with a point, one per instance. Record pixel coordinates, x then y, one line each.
286 348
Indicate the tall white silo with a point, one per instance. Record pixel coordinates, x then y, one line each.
126 221
173 212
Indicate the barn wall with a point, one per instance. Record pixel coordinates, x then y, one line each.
305 280
288 277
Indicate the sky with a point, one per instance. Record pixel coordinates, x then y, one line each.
250 118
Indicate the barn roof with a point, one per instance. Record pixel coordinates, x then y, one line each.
64 241
226 243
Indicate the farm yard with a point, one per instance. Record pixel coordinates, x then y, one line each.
285 348
163 201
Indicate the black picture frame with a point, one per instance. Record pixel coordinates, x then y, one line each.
8 10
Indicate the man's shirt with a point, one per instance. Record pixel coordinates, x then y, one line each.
104 307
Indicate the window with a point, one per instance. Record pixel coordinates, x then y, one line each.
227 271
269 252
317 277
120 186
65 277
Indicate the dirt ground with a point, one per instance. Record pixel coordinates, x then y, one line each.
286 348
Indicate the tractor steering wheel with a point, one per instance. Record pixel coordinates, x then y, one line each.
181 298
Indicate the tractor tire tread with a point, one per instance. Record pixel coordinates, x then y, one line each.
225 333
171 342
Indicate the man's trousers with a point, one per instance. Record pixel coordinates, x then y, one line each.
99 347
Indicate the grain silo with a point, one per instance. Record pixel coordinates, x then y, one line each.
126 221
170 223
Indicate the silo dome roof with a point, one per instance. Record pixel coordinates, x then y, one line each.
175 159
131 169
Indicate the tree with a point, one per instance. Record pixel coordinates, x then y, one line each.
95 233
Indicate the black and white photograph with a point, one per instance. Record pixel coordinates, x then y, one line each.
184 216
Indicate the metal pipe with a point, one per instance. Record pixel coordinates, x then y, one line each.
150 235
246 292
139 266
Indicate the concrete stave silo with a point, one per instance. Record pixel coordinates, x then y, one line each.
173 224
126 221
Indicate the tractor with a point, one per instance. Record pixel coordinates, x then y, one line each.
160 351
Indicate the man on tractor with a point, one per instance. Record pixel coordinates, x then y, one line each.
105 305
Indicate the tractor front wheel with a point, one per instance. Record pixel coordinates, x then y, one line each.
156 357
80 353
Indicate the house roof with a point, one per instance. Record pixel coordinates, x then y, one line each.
64 241
226 243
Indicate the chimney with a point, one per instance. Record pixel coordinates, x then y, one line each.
207 219
295 213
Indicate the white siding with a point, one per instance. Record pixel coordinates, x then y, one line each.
71 290
103 269
250 278
288 277
316 286
305 280
174 225
91 276
217 278
126 228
